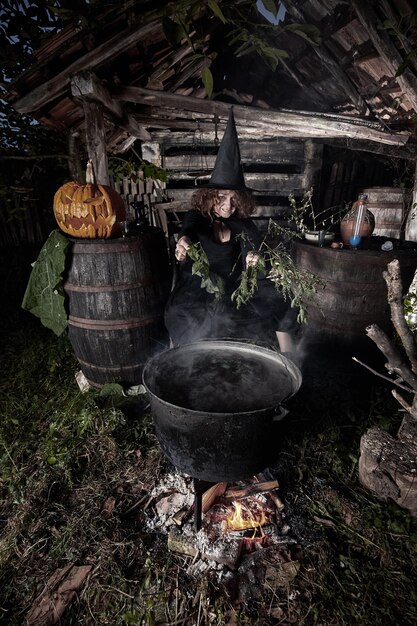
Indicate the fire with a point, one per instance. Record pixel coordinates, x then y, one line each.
242 520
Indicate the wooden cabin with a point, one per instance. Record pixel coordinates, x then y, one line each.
318 97
324 96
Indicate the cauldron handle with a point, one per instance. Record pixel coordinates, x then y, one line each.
281 412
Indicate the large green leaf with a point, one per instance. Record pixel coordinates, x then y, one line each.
217 10
207 77
270 6
173 31
307 31
44 295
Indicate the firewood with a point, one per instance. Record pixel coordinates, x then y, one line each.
234 494
211 495
58 593
207 500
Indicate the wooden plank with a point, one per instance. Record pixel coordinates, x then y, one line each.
184 195
311 123
331 64
114 46
386 49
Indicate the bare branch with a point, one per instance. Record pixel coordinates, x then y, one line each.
395 299
394 382
393 356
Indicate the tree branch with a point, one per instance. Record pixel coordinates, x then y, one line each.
395 361
395 299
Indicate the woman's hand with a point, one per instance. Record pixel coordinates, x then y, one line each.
252 259
181 248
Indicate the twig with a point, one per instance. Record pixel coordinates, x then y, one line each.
401 400
382 376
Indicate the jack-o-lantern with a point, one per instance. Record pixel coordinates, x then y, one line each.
89 211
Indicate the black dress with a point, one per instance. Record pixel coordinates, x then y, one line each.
192 313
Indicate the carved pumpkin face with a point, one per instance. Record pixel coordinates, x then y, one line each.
89 211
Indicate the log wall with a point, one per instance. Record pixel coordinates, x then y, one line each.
272 169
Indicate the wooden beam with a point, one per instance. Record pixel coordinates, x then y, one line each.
332 65
407 151
267 123
87 86
96 141
386 49
49 90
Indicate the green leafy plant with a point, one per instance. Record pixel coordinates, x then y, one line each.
211 282
305 217
273 260
295 284
44 295
179 23
121 168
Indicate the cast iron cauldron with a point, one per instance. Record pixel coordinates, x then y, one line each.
215 404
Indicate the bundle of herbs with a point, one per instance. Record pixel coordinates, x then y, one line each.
273 260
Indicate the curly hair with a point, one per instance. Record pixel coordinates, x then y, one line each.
205 201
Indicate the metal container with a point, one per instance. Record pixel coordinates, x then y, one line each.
217 406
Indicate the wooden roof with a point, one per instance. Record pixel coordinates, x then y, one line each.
343 90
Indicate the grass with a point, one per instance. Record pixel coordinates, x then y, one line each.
76 471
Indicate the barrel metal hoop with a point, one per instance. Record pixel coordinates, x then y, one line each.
81 322
100 248
116 368
148 280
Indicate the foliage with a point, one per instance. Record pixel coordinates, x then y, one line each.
305 217
295 284
181 21
121 168
44 296
404 29
211 282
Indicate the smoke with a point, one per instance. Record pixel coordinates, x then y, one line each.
216 377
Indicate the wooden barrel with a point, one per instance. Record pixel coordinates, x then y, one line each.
117 289
387 206
354 293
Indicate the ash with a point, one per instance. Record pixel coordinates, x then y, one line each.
173 493
244 556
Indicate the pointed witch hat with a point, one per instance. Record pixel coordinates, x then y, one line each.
228 171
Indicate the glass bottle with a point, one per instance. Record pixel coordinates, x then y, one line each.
141 221
357 224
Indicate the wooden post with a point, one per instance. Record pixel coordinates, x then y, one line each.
96 141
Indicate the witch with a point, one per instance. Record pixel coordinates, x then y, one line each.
220 222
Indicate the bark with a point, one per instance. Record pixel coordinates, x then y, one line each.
395 299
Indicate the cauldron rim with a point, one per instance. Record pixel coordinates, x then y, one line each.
296 377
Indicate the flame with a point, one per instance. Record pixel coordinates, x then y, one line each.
242 520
